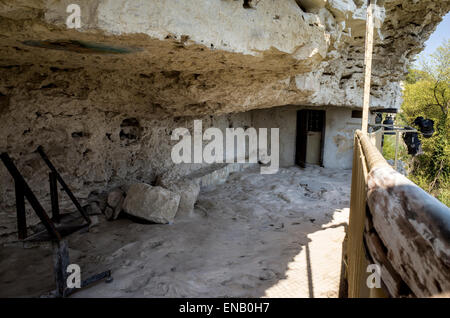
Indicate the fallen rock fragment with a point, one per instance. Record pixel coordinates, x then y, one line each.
93 208
94 221
188 191
118 208
115 201
154 204
114 197
109 212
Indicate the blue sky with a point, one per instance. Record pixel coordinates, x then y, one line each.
436 39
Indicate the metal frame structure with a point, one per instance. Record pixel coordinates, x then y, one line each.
55 231
397 129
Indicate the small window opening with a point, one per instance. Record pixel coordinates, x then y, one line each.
356 114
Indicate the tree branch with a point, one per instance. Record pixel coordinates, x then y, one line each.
437 99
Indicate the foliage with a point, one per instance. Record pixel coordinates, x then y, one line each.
427 94
389 147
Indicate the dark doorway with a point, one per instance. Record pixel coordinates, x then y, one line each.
310 137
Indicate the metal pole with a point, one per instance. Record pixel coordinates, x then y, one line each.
368 65
40 150
60 263
397 137
54 197
34 202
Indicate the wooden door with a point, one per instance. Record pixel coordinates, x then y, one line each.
302 137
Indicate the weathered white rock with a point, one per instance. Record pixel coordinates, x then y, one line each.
94 221
188 191
114 198
154 204
202 56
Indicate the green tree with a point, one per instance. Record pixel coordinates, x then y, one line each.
427 94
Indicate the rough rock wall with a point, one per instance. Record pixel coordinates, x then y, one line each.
94 150
215 56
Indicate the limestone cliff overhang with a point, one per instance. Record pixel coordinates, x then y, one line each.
211 56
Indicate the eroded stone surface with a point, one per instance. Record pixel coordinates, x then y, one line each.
154 204
214 56
114 198
188 191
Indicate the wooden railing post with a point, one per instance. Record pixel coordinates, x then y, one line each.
357 263
397 226
368 64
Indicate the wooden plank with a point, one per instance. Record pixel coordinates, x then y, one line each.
415 229
357 263
368 65
412 226
389 276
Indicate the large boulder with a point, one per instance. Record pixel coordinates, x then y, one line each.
188 191
154 204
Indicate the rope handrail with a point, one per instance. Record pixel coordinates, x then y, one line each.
373 157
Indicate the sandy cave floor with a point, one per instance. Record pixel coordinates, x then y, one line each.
254 236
